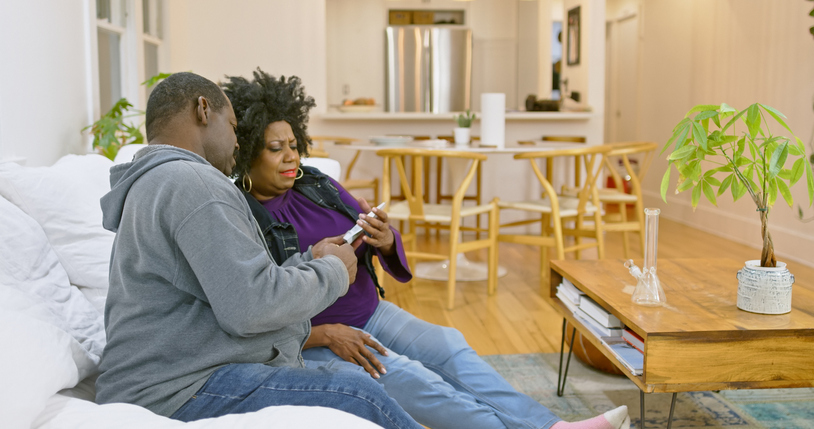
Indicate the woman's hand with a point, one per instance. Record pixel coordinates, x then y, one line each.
381 236
349 344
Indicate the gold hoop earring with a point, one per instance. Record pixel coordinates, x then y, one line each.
246 176
301 173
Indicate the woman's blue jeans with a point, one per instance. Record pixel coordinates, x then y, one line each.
242 388
438 379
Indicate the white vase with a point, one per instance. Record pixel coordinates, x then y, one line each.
764 290
461 135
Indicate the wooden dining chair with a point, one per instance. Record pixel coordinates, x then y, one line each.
560 216
418 213
626 154
349 183
441 196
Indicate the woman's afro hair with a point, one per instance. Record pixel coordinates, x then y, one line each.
260 102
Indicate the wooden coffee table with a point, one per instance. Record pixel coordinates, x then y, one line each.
699 340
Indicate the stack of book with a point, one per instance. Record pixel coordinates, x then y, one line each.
599 320
631 358
633 339
569 295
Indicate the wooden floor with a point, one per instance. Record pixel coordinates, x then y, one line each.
516 319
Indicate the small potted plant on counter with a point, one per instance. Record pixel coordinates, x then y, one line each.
462 131
712 156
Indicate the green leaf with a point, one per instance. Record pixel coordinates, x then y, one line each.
741 147
800 142
772 185
753 148
717 120
738 190
753 120
686 184
696 196
732 121
155 79
797 170
810 184
701 108
785 192
725 108
682 137
682 153
699 134
725 184
784 174
777 116
778 159
695 170
665 183
713 181
794 150
709 193
680 124
705 115
740 162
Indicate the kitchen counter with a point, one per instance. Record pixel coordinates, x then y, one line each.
447 117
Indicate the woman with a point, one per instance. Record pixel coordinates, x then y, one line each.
429 370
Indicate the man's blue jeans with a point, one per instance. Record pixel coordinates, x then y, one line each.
441 381
242 388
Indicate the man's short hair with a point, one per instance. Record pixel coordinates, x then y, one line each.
176 94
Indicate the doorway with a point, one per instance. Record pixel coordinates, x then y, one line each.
621 79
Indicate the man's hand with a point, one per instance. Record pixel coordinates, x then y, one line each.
349 344
335 246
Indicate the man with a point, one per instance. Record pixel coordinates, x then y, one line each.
200 321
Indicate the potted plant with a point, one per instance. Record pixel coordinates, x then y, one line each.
461 132
712 155
113 130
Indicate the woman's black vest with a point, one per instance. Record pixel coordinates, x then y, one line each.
281 237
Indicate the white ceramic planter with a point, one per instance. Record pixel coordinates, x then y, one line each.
764 290
462 135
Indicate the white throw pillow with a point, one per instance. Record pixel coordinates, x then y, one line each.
39 359
29 265
64 200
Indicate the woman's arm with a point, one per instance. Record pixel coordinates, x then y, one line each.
349 344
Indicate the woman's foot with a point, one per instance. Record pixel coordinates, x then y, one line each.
616 418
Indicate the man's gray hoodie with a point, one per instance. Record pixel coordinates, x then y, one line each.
192 284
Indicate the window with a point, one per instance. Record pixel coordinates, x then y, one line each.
129 37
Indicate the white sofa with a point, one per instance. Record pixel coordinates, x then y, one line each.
54 257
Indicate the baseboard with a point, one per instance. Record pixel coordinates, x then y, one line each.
740 229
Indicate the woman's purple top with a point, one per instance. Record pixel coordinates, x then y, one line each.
313 223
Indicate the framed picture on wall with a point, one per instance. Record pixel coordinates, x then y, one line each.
573 37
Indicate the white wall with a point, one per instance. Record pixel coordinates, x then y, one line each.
738 52
44 75
214 38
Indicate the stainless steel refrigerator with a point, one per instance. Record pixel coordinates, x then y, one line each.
429 68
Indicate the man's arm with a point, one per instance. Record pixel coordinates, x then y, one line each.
248 293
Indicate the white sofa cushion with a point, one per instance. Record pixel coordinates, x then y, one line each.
64 200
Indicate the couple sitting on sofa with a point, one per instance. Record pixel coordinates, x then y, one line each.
211 291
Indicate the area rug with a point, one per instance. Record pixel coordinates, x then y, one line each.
589 392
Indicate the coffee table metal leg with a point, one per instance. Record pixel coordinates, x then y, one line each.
560 376
672 409
641 408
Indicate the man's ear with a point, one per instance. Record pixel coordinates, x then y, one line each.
203 110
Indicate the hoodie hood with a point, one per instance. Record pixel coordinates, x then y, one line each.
123 176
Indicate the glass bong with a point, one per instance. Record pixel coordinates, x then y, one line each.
648 290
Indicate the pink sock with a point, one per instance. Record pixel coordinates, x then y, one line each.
616 418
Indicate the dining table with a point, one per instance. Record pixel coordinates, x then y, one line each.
466 270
